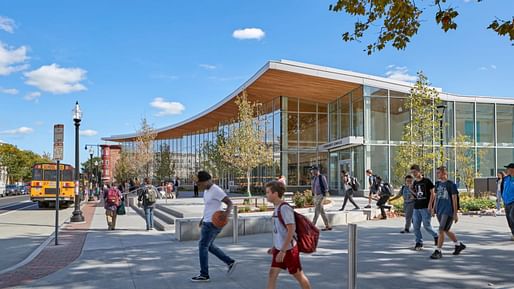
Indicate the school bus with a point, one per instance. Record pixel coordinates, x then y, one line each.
43 185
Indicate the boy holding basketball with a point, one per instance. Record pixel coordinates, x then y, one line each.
213 197
285 251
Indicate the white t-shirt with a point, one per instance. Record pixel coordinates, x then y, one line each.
212 200
279 230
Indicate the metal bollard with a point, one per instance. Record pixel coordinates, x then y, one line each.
235 226
352 256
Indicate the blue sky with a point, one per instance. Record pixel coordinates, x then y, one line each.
169 60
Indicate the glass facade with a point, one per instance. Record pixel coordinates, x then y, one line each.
297 130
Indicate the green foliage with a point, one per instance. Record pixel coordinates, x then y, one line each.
397 204
244 209
90 169
19 162
244 148
263 208
214 161
465 160
419 137
125 168
163 163
299 200
476 204
398 21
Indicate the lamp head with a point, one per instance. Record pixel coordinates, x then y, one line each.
77 113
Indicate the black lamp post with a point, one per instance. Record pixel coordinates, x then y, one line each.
440 111
77 117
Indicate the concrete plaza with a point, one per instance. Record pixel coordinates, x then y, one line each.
131 257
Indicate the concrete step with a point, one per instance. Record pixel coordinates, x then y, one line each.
158 223
169 210
164 215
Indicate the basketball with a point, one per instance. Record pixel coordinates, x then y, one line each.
219 220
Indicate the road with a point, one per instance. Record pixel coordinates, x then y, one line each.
24 227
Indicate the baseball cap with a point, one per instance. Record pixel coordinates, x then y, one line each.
510 166
314 168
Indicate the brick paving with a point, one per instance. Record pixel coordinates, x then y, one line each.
53 258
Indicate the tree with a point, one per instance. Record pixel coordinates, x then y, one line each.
418 139
214 160
399 20
143 154
19 162
124 168
465 160
244 148
89 169
164 164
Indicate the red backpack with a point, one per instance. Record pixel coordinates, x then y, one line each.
113 197
307 235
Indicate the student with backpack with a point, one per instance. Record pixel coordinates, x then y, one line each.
373 188
320 191
350 185
285 250
446 208
384 192
112 199
147 196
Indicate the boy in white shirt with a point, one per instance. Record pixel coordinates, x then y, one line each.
285 251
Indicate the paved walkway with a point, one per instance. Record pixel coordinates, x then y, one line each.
131 257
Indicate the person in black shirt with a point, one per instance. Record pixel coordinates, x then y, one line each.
423 206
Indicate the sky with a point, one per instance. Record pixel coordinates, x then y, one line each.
170 60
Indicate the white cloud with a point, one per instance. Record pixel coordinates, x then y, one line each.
249 33
208 66
399 73
11 91
18 131
467 1
7 24
490 67
32 96
11 59
57 80
164 76
1 141
88 132
167 107
493 66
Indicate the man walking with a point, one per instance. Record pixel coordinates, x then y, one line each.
425 195
507 189
446 210
373 188
147 196
213 196
319 190
350 185
285 250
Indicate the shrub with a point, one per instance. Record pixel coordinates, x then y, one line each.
244 209
263 208
299 200
476 204
309 198
398 205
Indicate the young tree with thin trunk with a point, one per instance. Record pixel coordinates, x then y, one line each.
144 153
163 164
214 160
420 140
244 147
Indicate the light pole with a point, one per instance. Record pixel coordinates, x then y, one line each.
91 151
440 111
77 117
97 177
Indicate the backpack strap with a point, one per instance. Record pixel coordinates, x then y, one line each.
321 185
280 214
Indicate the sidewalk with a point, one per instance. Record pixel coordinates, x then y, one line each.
131 257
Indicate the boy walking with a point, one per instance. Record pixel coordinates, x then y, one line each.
507 189
349 184
213 197
285 251
407 192
446 210
425 195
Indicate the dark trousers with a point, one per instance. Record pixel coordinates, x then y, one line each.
195 188
509 212
381 203
349 196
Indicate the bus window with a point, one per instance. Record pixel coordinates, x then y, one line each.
67 175
50 175
37 174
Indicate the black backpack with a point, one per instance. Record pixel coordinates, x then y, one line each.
385 190
354 183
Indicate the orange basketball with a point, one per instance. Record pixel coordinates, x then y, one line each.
219 220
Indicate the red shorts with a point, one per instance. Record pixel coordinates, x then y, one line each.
291 260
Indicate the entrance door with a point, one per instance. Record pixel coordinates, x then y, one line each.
345 165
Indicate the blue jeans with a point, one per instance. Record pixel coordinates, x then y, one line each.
149 217
422 215
206 245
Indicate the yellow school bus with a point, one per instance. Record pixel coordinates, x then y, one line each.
43 185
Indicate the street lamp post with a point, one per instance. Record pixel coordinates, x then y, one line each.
77 117
440 111
90 187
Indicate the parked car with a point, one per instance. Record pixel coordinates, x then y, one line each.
23 189
12 190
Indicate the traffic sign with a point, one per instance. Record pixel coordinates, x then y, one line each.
58 142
